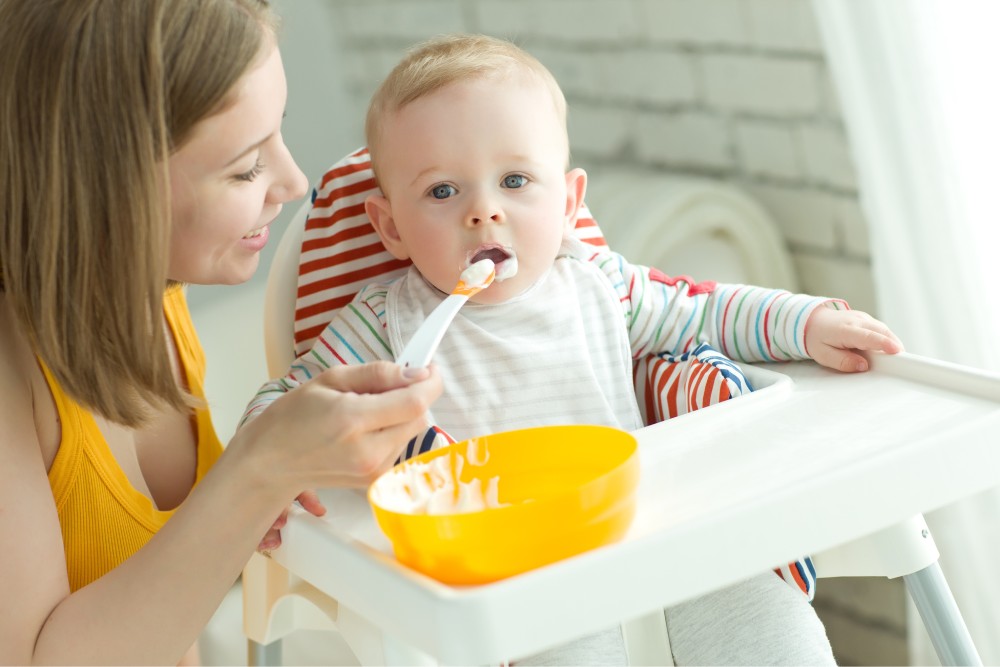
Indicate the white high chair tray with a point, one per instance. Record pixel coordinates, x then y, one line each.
811 460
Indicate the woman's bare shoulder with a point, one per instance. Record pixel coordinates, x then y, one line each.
25 398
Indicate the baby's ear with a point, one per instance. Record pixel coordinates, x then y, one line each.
576 188
379 212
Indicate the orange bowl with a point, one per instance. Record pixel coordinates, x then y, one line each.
561 490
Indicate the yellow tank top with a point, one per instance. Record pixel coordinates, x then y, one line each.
104 518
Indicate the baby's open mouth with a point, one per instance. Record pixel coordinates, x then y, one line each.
504 259
496 255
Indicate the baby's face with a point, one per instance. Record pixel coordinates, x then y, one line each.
477 169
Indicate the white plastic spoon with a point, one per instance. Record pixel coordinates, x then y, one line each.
425 341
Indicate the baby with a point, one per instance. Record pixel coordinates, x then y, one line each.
469 146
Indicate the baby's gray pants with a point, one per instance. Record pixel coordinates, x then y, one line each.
760 621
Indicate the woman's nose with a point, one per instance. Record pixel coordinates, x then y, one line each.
290 183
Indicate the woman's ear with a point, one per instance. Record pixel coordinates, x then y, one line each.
576 188
379 212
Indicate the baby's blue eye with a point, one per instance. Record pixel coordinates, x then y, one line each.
514 181
443 191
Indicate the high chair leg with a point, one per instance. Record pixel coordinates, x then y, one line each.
263 655
941 616
275 604
907 550
646 640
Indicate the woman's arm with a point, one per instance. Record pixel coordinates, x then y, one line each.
34 566
344 428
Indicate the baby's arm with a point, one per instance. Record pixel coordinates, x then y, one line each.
355 335
674 315
744 322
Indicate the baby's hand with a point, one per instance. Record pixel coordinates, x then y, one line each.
833 336
309 501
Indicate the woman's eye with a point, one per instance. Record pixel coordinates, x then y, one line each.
253 173
443 191
514 181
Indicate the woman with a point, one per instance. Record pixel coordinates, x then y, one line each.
140 148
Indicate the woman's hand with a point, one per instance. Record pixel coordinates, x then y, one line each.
344 427
833 338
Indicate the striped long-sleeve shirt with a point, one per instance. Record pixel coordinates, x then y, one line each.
561 352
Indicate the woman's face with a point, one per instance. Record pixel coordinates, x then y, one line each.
229 181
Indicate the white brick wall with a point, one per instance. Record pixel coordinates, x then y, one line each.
784 25
409 19
599 131
768 149
652 76
808 219
781 87
696 22
733 89
562 21
827 156
690 139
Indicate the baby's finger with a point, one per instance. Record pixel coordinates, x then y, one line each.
871 339
280 522
840 359
892 344
896 345
311 503
271 540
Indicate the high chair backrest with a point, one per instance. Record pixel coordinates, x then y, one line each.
280 295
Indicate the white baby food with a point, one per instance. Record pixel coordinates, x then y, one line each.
434 487
508 269
478 273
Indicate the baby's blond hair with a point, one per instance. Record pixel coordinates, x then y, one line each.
438 62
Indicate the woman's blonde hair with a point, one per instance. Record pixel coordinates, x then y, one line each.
440 61
94 97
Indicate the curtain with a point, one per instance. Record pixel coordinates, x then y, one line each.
916 80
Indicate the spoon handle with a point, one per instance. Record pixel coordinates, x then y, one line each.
425 340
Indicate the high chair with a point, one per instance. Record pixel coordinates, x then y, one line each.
319 266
